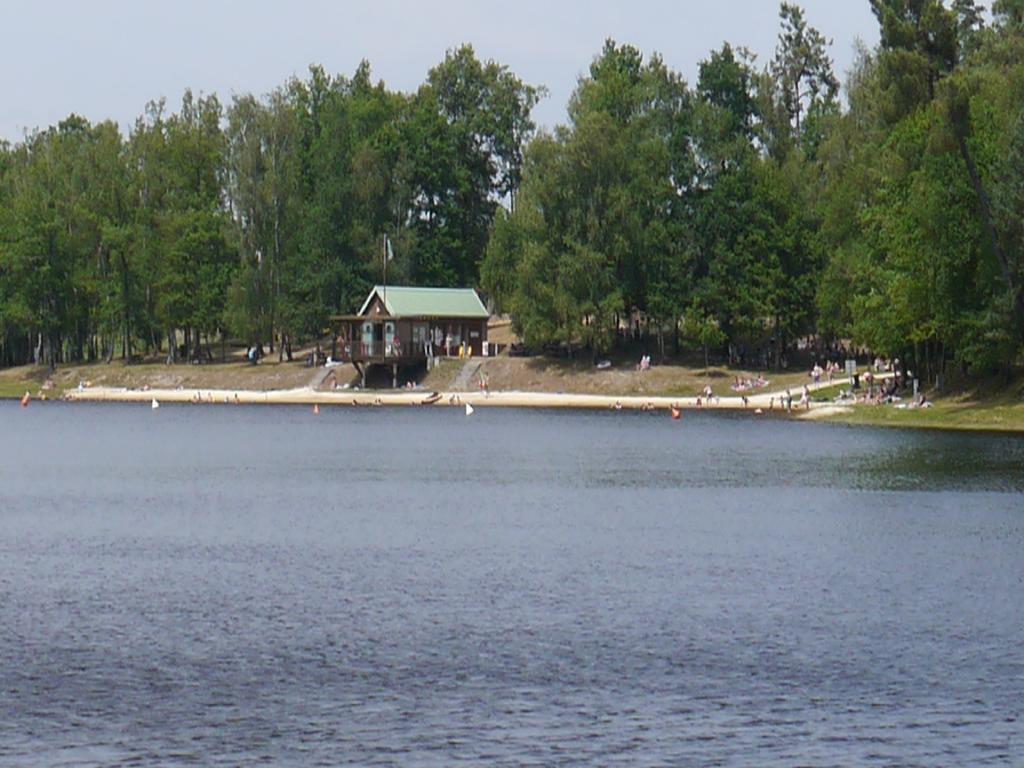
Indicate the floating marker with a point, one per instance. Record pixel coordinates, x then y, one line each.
469 409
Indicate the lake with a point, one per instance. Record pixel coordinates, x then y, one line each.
219 585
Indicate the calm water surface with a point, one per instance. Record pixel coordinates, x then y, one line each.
235 585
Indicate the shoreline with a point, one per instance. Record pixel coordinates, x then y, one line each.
758 406
423 398
288 385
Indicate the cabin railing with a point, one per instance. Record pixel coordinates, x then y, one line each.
372 350
379 351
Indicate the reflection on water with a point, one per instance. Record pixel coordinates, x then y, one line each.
223 586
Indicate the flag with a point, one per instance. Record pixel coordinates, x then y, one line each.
389 254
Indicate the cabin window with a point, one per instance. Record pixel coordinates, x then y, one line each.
420 334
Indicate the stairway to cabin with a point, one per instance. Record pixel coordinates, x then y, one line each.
466 376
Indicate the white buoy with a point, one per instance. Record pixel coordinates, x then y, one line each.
469 409
154 405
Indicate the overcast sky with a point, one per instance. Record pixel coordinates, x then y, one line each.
107 58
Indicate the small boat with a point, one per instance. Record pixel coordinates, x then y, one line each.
154 405
469 409
432 398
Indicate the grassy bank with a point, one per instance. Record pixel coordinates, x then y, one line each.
988 405
268 375
999 413
581 377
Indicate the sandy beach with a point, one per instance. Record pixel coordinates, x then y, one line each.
308 396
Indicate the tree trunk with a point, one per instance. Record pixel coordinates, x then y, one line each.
985 207
778 343
50 351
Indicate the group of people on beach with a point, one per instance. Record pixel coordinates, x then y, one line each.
198 399
830 370
786 400
742 385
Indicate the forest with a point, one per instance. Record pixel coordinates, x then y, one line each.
762 204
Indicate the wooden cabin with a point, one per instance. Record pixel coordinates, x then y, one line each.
399 326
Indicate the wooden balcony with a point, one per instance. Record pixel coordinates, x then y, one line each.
378 352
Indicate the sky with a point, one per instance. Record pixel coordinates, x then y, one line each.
105 59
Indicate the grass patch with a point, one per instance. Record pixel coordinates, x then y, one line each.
234 375
989 405
443 374
998 418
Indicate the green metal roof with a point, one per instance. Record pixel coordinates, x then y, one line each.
403 301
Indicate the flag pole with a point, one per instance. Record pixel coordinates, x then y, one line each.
384 256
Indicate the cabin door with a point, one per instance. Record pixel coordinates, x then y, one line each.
389 339
368 339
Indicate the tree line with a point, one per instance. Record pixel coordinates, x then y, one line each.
748 210
754 208
253 221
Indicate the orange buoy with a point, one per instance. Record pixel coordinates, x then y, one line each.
25 400
676 414
316 408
